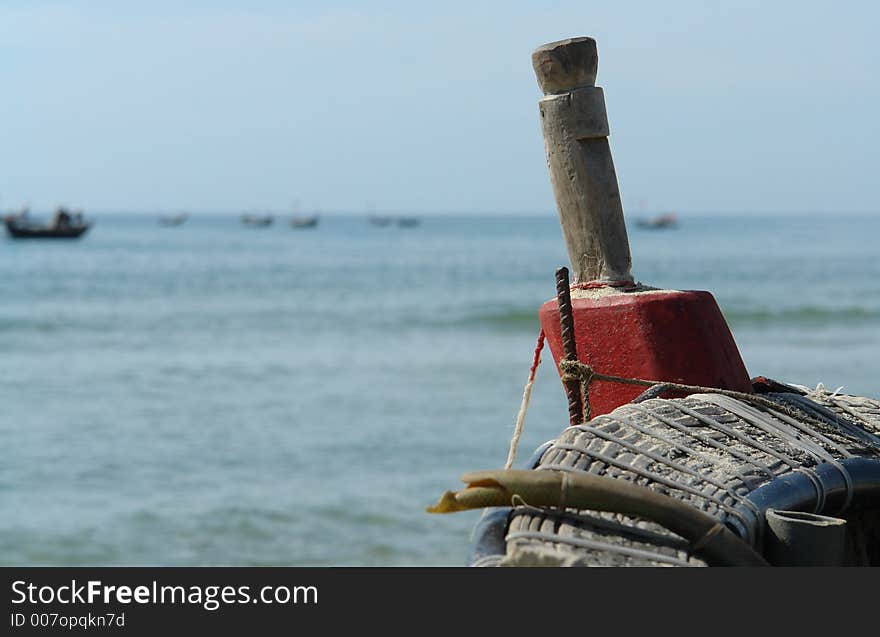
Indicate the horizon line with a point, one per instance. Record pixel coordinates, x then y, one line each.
431 213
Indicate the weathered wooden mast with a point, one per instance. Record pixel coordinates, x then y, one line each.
581 169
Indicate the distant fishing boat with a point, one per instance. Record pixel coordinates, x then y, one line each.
304 222
408 222
381 221
65 224
173 220
258 221
669 220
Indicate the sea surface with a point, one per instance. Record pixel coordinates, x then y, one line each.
216 394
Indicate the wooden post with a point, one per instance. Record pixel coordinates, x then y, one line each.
581 169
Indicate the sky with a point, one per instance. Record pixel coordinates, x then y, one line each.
427 107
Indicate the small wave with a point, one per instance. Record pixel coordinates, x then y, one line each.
526 319
512 319
54 324
29 325
807 315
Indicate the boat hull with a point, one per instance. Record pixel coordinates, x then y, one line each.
24 232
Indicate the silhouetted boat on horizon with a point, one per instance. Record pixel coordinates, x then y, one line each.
65 224
304 222
668 220
173 220
380 220
257 221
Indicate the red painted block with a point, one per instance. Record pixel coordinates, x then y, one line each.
666 335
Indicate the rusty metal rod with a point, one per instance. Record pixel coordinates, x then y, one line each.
569 347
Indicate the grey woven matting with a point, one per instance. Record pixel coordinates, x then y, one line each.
708 454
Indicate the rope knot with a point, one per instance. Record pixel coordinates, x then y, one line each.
576 370
573 370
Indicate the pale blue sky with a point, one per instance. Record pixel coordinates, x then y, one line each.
741 106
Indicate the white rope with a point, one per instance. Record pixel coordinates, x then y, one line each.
520 420
524 405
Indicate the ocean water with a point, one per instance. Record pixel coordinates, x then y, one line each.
216 394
